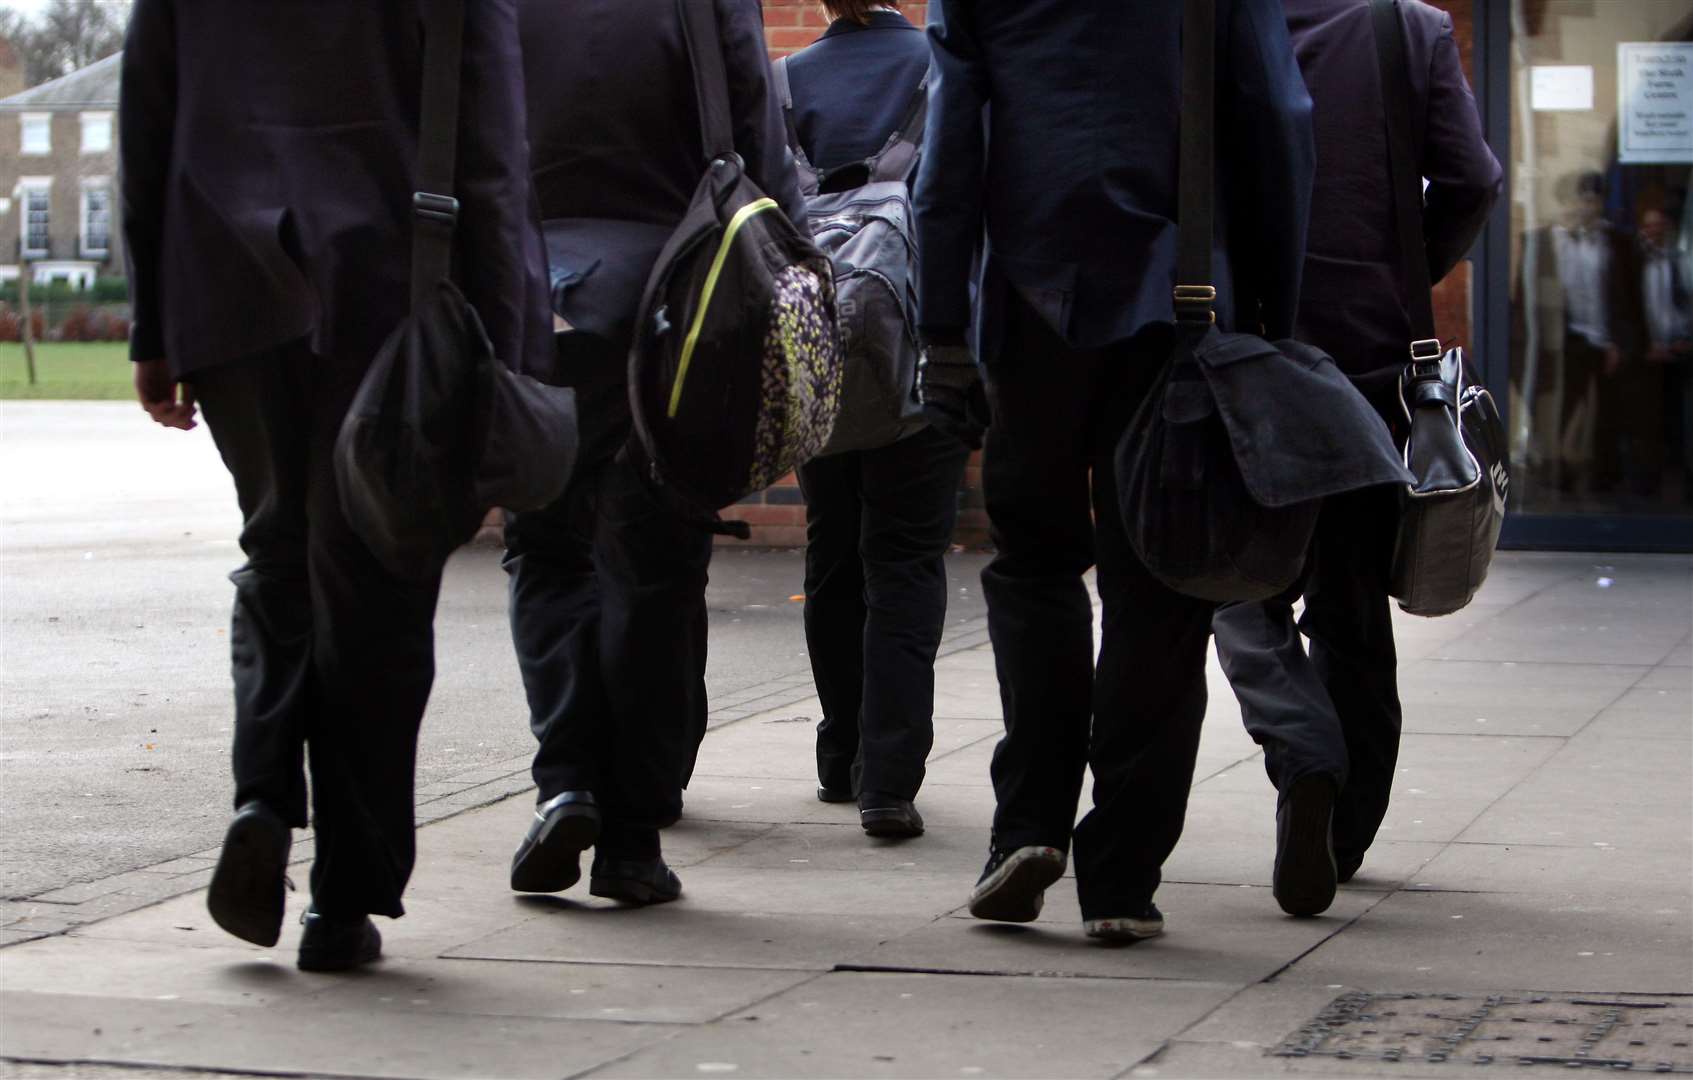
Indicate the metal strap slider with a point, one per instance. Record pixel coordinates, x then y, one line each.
443 208
1424 350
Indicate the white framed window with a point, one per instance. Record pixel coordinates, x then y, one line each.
35 206
96 218
96 132
37 133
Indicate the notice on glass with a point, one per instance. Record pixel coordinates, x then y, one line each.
1655 92
1560 87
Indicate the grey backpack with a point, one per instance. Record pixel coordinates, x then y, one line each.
861 218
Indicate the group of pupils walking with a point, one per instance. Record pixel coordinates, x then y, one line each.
268 151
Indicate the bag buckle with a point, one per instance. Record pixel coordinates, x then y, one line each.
442 208
1426 350
1193 303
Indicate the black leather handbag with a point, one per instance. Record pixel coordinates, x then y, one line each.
1223 468
1456 451
441 430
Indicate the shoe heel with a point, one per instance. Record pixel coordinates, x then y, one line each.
248 890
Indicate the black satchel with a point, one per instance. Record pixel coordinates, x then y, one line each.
1457 450
441 431
1222 471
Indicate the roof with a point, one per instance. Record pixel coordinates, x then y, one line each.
92 87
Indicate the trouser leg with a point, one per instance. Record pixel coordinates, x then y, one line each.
1149 690
259 416
835 611
652 568
909 492
1283 702
374 653
1040 616
1349 621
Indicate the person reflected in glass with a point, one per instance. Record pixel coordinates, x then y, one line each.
1665 297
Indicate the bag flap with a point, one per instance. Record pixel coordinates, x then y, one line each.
1436 452
1298 427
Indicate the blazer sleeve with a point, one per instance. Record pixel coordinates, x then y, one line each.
761 135
948 196
1273 143
146 125
1464 178
499 233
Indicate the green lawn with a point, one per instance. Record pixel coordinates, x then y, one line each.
67 372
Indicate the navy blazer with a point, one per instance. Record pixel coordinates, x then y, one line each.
854 87
1055 124
615 145
1353 300
268 159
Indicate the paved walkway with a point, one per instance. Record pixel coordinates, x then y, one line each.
1530 900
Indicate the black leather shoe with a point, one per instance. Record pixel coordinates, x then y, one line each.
889 816
564 827
827 794
250 882
1013 884
634 881
1305 873
1346 867
333 944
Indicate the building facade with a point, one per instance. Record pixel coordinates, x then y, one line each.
58 179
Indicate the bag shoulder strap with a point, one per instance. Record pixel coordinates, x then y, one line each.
898 156
434 209
711 77
1195 292
1407 181
809 177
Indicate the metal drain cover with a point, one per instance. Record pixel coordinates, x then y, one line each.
1618 1032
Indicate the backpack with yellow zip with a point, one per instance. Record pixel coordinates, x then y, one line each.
735 370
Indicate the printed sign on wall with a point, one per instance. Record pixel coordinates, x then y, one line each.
1655 92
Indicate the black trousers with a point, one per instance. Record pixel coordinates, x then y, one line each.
1134 717
878 526
608 618
1335 709
333 657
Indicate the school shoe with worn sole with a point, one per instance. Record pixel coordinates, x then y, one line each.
1013 884
1148 922
248 887
634 881
334 944
548 858
1305 873
889 816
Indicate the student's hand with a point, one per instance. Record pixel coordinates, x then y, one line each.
949 387
167 401
1613 359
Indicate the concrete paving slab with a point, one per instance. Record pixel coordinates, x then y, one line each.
226 973
1606 873
1486 941
1425 719
1214 934
804 889
777 801
381 1043
1487 686
1219 1060
844 846
1625 793
603 992
874 1025
684 934
1261 1015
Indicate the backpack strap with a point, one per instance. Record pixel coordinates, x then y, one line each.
898 156
809 178
1407 183
711 78
435 211
1196 292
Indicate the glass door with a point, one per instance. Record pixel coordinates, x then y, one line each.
1600 398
